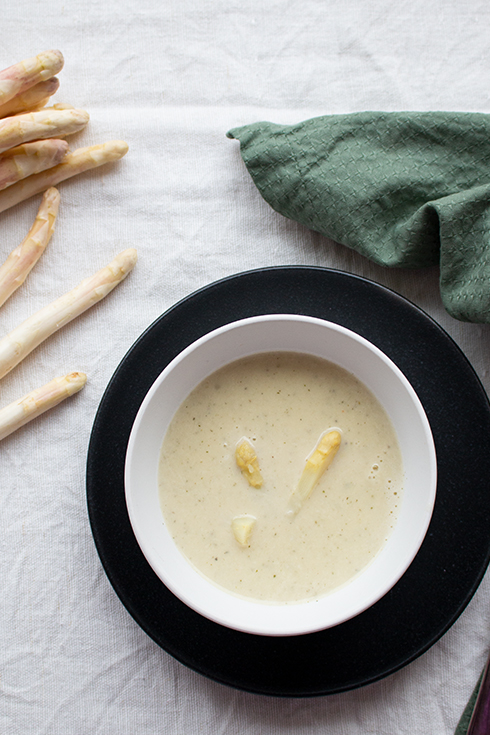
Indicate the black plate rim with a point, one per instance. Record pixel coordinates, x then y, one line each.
98 537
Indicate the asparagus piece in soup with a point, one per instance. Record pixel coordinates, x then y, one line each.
246 459
315 466
242 527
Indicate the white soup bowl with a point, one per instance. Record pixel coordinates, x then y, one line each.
270 333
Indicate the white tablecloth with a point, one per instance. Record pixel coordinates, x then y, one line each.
171 78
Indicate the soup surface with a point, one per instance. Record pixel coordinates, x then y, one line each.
282 402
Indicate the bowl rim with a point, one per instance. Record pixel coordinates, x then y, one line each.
293 626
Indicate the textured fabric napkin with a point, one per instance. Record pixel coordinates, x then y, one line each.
405 189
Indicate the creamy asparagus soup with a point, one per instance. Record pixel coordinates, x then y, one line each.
241 500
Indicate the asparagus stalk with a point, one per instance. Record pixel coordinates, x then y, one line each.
18 413
49 123
22 260
247 461
30 158
17 78
32 99
316 464
74 163
16 345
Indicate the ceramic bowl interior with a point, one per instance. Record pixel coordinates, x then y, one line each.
216 349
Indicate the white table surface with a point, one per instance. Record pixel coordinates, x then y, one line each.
171 78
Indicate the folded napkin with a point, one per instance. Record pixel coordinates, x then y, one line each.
406 189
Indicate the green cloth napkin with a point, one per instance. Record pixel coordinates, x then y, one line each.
406 189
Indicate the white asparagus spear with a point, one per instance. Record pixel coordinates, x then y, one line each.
17 78
316 464
48 123
16 345
32 99
32 405
21 260
72 164
247 461
30 158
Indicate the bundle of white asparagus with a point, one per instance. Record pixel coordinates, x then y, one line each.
33 152
34 157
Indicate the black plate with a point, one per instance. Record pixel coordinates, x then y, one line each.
455 553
